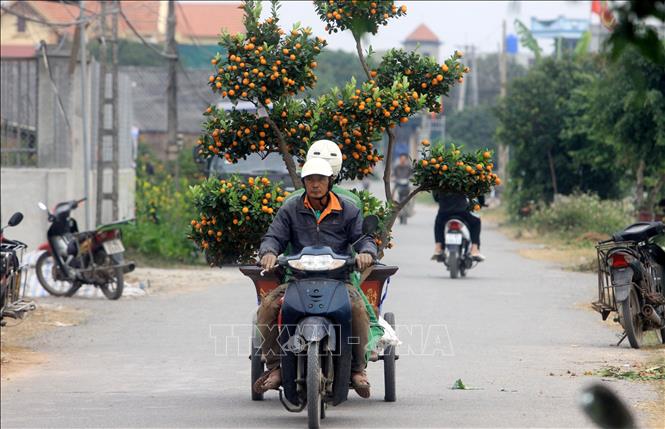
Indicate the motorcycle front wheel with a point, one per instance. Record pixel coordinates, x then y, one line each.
313 386
632 319
46 268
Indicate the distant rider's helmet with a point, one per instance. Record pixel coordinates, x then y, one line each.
328 150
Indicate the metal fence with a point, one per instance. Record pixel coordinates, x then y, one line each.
19 82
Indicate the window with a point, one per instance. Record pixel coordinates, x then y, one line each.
20 24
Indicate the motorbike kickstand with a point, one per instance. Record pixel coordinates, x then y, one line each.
622 338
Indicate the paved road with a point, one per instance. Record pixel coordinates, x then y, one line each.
512 330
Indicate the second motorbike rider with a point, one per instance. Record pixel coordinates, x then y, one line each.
317 218
456 205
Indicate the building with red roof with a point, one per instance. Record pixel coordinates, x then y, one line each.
25 23
423 39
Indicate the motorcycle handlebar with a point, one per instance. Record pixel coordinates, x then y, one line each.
282 262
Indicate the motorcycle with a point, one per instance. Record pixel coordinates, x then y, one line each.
631 266
315 326
457 253
12 303
72 258
402 188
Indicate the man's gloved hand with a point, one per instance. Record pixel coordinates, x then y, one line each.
364 260
268 261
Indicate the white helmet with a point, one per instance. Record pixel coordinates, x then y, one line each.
316 166
328 150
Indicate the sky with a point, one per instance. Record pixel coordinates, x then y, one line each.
456 23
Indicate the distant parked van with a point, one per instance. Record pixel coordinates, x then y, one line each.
272 167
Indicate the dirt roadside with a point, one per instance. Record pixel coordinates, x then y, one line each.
18 358
650 368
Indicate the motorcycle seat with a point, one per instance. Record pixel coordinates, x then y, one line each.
640 231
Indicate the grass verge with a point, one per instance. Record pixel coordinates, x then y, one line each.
572 253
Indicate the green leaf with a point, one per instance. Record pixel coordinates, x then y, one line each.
527 39
582 48
458 385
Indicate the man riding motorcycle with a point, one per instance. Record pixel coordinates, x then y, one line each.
319 217
456 205
403 169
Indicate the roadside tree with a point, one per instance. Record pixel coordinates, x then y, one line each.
549 146
625 113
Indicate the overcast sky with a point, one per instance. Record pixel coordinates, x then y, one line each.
456 23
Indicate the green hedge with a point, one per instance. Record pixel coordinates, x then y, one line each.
577 214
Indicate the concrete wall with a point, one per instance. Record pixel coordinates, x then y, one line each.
22 188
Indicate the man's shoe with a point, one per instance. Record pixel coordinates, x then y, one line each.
360 383
478 257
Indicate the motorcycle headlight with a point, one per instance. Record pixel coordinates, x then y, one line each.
316 263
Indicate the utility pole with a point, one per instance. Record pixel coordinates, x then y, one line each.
84 114
462 91
104 101
474 77
103 54
504 154
116 113
172 90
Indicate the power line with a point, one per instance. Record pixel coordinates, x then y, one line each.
197 44
199 94
137 34
53 84
49 23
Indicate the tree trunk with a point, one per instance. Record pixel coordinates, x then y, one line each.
388 165
361 56
284 150
550 158
387 161
504 156
639 185
654 193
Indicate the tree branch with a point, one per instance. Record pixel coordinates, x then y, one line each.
409 197
388 163
286 156
361 56
393 216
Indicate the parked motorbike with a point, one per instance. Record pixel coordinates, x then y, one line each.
631 266
315 326
72 258
403 189
457 253
12 303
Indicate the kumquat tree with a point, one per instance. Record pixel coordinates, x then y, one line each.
273 68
